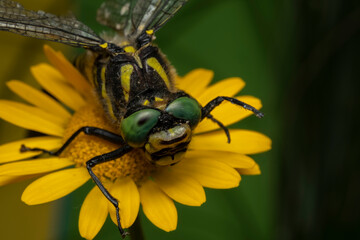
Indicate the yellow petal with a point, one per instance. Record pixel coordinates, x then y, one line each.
11 151
127 194
73 76
195 82
31 118
38 98
255 170
227 87
211 174
27 109
235 160
52 73
59 89
35 166
54 186
93 213
228 113
158 207
242 141
182 188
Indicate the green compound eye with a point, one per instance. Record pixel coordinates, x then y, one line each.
136 127
187 109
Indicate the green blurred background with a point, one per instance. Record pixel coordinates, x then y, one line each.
300 58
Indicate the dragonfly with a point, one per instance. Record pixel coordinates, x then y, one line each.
132 79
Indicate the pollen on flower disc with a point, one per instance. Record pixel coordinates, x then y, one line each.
85 147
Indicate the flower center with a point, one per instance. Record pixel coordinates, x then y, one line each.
85 147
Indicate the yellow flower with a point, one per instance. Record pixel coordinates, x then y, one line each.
210 161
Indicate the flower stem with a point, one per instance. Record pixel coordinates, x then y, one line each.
136 232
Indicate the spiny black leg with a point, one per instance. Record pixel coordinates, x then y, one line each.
215 102
209 116
102 133
105 158
94 131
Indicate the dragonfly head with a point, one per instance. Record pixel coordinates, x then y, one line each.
163 134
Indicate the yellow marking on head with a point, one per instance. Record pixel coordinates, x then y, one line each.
154 63
125 76
146 102
104 45
160 103
129 49
104 93
150 32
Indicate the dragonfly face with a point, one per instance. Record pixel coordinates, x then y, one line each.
162 127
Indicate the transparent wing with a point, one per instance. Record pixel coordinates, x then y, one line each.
153 14
68 30
115 14
7 3
133 17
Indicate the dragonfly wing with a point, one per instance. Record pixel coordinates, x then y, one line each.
38 24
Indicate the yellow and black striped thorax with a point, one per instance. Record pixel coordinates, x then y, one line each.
127 78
